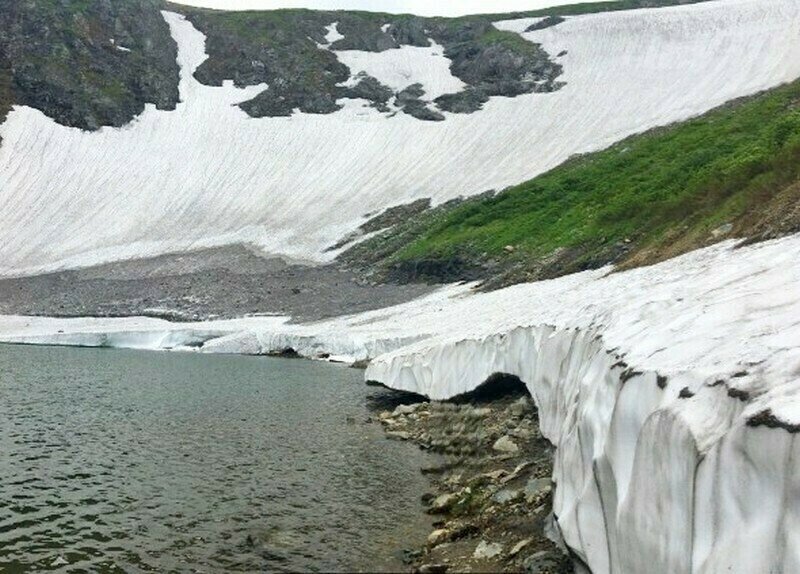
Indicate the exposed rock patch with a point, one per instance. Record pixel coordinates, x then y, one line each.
87 64
547 22
288 50
410 101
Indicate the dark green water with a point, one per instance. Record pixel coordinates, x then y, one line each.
164 462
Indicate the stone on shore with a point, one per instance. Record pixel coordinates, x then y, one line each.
487 550
505 445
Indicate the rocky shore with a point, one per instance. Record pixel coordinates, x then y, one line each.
492 491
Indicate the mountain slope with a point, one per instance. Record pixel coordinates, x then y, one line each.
208 174
734 172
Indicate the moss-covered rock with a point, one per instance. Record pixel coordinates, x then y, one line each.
88 64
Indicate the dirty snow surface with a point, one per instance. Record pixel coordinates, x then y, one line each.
206 174
670 391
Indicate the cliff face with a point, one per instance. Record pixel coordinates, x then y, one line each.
88 64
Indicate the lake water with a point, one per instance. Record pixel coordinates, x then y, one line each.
165 462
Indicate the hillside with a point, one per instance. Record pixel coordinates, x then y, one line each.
210 174
733 172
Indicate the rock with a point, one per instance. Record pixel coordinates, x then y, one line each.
398 435
518 409
506 495
487 550
60 561
722 230
509 249
520 546
404 410
443 503
438 536
495 474
505 445
537 487
522 433
433 569
516 472
453 480
543 561
409 556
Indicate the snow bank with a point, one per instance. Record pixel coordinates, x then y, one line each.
207 174
672 392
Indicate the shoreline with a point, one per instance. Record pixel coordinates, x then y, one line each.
654 402
491 493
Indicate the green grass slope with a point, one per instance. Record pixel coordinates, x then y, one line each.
731 172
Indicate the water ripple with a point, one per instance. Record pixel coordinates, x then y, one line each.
136 462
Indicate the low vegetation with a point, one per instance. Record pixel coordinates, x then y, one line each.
732 172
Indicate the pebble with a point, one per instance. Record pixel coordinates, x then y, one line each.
398 435
443 503
506 445
495 474
536 487
404 410
487 550
433 569
506 495
438 536
520 546
516 472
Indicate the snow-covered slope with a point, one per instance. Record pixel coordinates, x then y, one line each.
208 174
672 393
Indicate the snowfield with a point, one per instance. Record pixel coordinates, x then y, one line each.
670 391
207 174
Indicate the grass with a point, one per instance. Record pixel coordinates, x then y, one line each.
510 40
686 179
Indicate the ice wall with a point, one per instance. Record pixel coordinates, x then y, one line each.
676 434
651 475
207 174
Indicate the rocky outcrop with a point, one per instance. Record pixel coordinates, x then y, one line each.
88 64
290 51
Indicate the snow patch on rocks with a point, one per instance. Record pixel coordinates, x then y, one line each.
402 67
